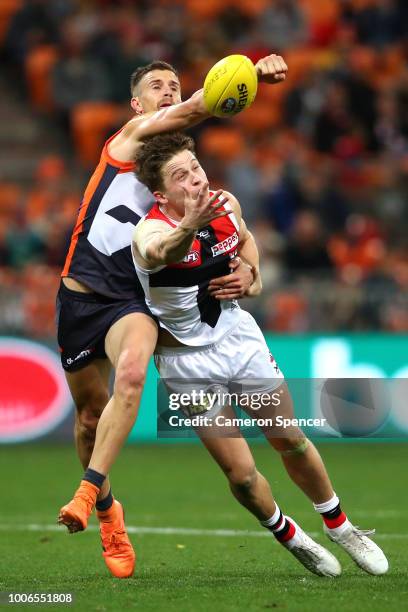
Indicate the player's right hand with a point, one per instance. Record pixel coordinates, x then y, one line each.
271 69
201 211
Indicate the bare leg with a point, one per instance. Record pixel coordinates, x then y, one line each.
129 344
234 457
90 391
300 457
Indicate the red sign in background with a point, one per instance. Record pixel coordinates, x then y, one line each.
34 396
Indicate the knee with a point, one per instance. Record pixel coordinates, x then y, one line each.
242 477
130 377
293 446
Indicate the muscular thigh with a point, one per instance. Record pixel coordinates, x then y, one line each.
134 337
281 435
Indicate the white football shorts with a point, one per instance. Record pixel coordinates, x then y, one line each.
239 363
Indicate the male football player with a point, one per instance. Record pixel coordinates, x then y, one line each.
102 317
187 239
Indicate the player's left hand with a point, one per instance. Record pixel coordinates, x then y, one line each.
271 69
235 285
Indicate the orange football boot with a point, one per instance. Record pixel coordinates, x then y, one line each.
118 551
76 513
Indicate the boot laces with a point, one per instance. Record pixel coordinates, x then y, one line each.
86 499
361 534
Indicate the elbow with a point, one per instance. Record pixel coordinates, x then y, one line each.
171 258
167 256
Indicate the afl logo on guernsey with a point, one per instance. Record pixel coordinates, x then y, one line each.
226 245
191 257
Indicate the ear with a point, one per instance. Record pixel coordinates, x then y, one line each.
160 197
137 107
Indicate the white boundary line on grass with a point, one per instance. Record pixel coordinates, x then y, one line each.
181 531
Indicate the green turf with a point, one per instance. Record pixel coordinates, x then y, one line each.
179 486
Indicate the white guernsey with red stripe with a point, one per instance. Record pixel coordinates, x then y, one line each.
178 293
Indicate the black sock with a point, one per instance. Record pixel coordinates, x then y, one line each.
105 503
280 526
334 513
94 477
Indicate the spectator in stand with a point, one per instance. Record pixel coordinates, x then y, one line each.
380 23
32 25
244 175
283 23
334 119
304 101
306 252
389 127
76 77
22 243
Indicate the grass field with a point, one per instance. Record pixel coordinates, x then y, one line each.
179 487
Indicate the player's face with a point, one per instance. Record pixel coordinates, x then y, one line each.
156 90
183 178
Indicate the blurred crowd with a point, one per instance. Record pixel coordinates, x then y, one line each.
319 163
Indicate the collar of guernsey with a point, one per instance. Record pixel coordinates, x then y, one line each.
99 254
178 293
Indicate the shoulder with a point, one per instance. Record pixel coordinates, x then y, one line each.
148 226
232 203
124 144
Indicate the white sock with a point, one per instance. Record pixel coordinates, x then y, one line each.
328 505
270 522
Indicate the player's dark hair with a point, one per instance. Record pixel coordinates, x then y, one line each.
142 70
155 153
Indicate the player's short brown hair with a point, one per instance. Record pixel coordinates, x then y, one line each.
155 153
142 70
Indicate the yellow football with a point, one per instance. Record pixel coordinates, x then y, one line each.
230 86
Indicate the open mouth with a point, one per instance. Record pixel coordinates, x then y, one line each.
165 104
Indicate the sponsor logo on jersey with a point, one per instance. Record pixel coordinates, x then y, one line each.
225 245
203 234
191 257
34 396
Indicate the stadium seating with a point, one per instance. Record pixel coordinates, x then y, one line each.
90 124
38 66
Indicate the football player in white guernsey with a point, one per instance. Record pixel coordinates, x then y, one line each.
176 248
103 321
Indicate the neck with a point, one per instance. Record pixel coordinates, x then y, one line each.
172 211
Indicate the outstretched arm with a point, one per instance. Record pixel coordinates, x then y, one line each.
270 69
172 118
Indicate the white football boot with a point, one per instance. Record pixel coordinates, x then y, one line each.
314 557
364 552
